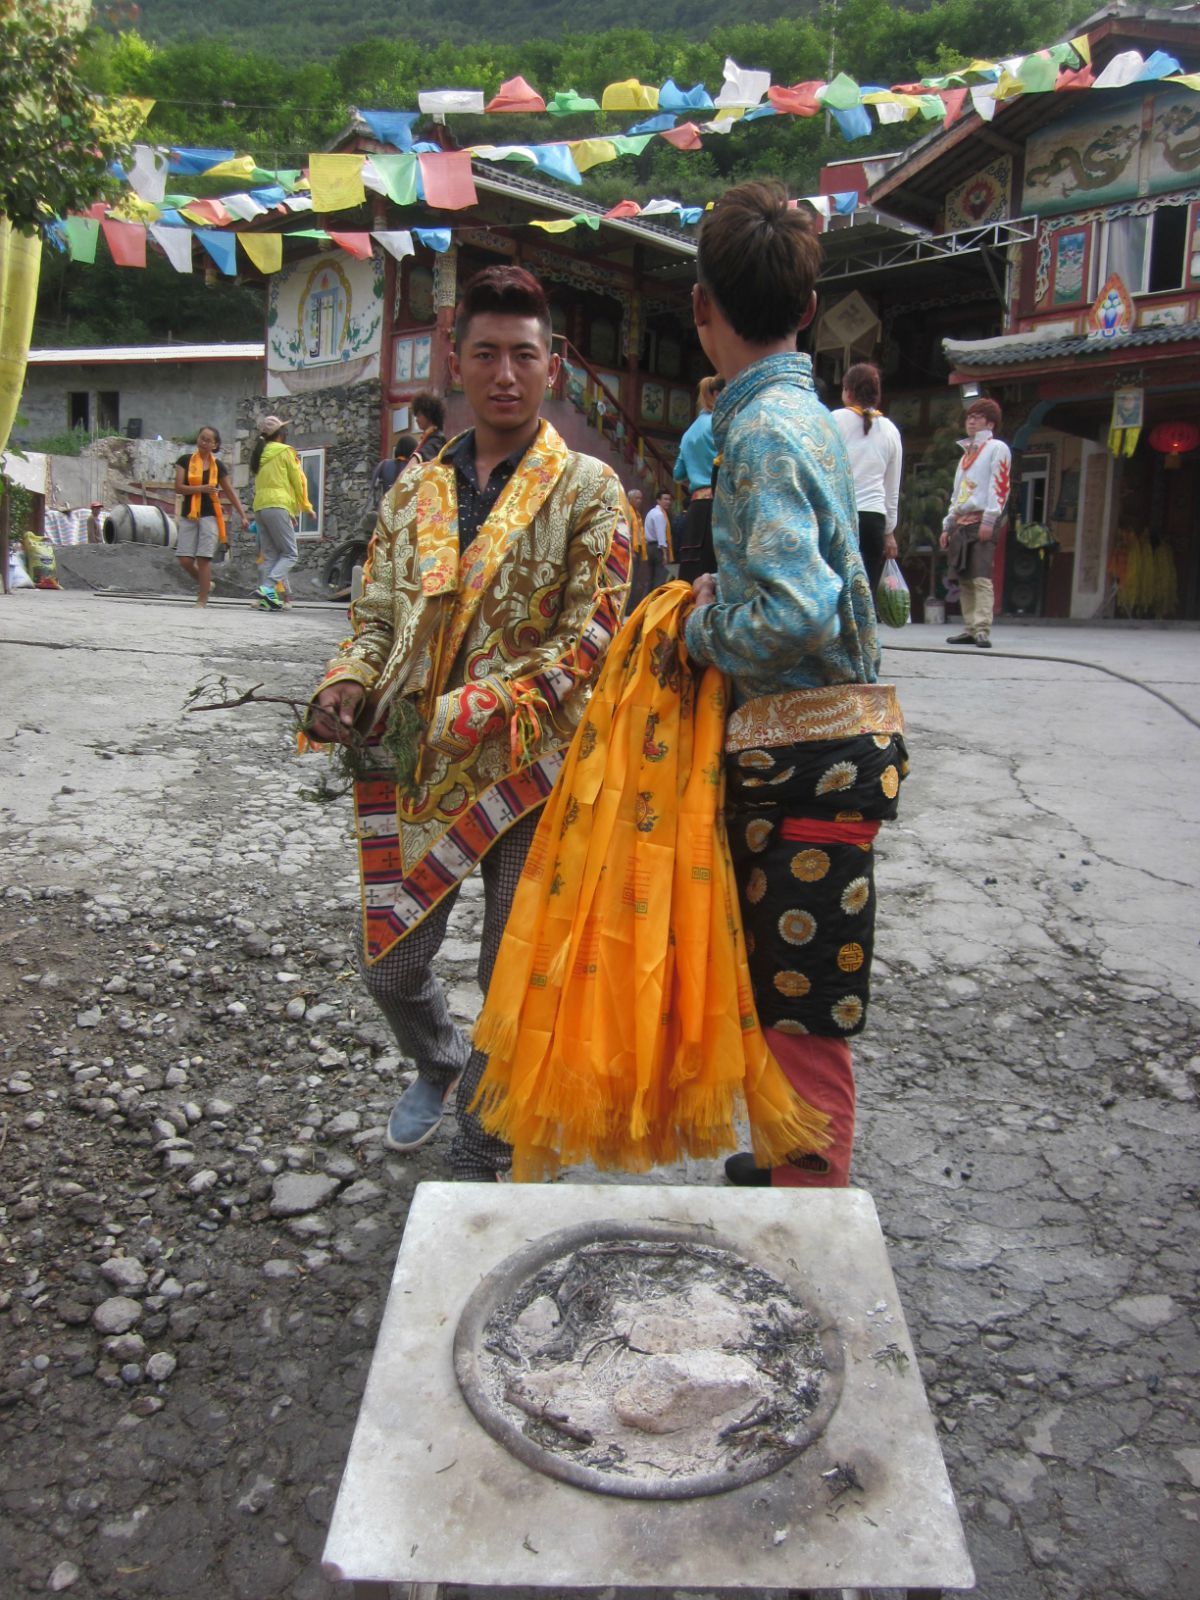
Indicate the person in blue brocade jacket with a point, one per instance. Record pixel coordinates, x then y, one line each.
813 748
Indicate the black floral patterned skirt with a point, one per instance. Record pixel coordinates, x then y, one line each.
802 820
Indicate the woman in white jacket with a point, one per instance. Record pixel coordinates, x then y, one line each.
876 457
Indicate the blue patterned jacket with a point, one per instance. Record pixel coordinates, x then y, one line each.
793 607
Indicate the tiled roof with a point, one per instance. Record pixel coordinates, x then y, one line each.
1019 349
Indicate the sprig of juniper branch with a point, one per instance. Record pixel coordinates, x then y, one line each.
401 738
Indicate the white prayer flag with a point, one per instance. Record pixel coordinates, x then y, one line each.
443 100
243 206
148 174
742 86
397 242
176 245
1122 69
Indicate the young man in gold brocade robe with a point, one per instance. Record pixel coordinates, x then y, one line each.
498 576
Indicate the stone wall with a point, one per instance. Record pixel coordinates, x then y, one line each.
344 422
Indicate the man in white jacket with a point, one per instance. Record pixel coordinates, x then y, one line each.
976 519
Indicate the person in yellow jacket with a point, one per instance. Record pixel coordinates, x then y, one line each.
280 495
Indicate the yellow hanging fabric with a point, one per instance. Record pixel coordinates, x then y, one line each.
20 268
620 1024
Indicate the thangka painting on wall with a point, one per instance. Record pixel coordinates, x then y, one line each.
679 408
324 316
986 196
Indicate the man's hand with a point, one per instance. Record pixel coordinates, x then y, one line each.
987 532
945 539
335 710
704 589
891 550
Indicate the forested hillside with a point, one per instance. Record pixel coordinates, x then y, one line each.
211 91
311 27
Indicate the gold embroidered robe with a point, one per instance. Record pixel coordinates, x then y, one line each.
497 649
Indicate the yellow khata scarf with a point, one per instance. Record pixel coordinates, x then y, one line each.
198 473
637 533
619 1023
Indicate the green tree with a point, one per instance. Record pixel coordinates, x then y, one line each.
52 158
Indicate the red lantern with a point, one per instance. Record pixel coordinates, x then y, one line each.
1174 439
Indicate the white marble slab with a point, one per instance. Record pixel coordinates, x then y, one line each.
428 1497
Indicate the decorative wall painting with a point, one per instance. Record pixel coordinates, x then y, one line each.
1113 311
1070 266
1087 159
654 401
679 408
1174 146
324 319
986 196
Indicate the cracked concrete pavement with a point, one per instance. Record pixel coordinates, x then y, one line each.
1027 1083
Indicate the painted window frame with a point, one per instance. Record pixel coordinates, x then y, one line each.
311 524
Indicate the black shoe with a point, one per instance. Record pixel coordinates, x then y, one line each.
983 642
961 638
741 1171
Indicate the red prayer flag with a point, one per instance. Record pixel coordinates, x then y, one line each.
449 185
624 208
954 100
800 100
357 245
685 137
516 95
1084 78
126 242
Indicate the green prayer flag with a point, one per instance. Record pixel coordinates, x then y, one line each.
399 176
1037 74
588 219
566 101
630 144
82 234
843 94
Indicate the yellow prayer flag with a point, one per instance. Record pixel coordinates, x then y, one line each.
1007 86
1190 80
629 95
264 249
336 181
559 225
132 208
242 168
592 152
1082 47
118 121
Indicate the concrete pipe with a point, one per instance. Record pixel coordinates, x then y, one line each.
138 525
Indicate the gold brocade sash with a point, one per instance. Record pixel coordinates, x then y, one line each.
457 585
620 1022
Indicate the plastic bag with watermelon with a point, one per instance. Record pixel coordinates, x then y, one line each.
893 603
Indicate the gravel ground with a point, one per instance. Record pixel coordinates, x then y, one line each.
199 1218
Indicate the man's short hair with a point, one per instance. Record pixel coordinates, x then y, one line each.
986 408
404 446
428 404
505 292
759 260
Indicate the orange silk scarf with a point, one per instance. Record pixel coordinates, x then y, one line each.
197 473
620 1023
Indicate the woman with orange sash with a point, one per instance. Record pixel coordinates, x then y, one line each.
200 477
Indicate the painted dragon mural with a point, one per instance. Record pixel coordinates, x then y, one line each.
1177 134
1097 166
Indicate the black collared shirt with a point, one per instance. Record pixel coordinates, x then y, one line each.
474 503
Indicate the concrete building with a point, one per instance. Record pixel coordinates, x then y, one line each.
140 391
